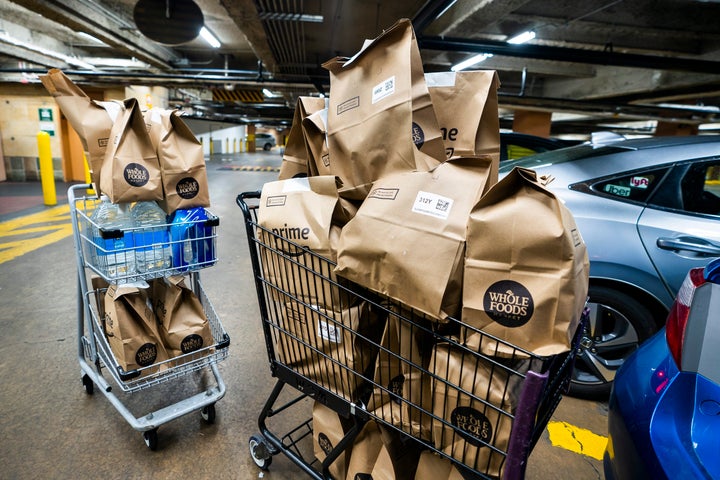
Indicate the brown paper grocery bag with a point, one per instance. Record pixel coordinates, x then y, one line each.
315 131
475 423
526 266
400 367
295 157
364 453
335 349
434 467
328 431
131 327
131 170
303 213
91 119
182 163
407 240
380 117
466 105
182 324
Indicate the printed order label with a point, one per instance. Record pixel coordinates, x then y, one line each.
383 89
432 204
329 332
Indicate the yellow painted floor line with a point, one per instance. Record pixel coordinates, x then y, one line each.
25 234
576 439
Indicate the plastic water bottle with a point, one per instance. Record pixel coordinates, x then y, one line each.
191 232
113 239
152 241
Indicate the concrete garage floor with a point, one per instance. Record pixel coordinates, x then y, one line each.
51 429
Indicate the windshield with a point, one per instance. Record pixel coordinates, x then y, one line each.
553 157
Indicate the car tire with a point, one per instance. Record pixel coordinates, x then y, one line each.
267 147
618 325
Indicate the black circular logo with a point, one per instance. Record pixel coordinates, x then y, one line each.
472 425
418 135
136 174
508 303
187 188
324 443
396 388
146 355
191 343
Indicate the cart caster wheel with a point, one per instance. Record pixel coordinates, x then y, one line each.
208 413
151 439
260 452
88 384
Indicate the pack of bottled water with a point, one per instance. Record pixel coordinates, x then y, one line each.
140 239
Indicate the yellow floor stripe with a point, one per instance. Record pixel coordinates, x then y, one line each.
14 233
578 440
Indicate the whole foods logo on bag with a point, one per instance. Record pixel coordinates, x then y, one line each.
136 174
187 188
191 343
472 425
396 388
325 443
508 303
146 354
418 135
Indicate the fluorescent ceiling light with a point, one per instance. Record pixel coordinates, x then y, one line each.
522 38
7 38
209 37
116 62
471 61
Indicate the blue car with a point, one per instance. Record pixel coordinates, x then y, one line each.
664 410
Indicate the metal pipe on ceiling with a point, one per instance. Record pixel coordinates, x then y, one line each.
577 55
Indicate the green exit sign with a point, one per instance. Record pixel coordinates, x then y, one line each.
46 120
45 114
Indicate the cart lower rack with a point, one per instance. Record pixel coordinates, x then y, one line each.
444 390
98 362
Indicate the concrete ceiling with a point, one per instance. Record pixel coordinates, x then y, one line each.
596 64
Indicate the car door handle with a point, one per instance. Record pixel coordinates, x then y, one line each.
692 244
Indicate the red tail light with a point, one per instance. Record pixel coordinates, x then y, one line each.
679 312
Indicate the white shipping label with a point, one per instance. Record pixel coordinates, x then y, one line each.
440 79
328 331
300 184
432 204
383 89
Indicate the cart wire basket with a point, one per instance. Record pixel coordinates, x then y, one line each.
99 267
447 388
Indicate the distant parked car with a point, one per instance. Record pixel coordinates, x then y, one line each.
648 210
664 410
264 141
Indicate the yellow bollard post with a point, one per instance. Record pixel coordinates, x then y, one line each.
88 178
47 175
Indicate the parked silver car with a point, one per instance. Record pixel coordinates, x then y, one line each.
648 210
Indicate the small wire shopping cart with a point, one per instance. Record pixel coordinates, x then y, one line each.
99 269
447 388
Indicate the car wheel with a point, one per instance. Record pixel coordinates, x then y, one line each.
267 147
618 325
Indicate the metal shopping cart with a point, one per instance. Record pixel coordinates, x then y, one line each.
468 398
96 274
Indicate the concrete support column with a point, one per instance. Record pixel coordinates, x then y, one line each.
532 123
668 129
250 147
